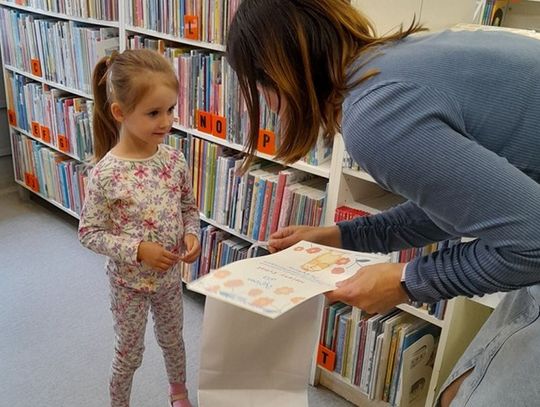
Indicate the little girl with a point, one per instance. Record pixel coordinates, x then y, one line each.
141 213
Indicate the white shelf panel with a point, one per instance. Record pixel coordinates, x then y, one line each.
320 170
104 23
358 174
341 386
422 314
226 229
489 300
52 84
52 201
180 40
51 146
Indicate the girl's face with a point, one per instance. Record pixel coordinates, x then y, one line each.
152 118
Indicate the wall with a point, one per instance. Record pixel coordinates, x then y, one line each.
387 15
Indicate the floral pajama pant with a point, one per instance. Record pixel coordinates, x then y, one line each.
130 313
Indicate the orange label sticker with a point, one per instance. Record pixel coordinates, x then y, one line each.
36 129
36 67
219 126
12 117
204 121
63 143
35 183
191 27
266 142
28 179
45 134
326 358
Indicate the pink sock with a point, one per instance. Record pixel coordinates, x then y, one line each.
179 388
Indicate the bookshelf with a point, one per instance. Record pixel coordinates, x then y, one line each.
463 317
344 186
5 149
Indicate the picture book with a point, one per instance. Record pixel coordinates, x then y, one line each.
273 284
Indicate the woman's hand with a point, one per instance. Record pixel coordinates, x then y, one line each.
193 248
374 289
154 255
286 237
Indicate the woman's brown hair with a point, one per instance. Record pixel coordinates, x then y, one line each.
300 49
124 79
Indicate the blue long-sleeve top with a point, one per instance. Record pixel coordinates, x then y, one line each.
452 123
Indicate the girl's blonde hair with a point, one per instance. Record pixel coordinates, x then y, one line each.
125 79
302 50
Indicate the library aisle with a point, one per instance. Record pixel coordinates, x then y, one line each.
56 338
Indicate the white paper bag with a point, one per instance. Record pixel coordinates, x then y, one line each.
248 360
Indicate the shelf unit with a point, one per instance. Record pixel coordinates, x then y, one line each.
52 84
345 186
322 170
60 16
51 201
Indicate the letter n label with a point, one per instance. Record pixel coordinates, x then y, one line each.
204 121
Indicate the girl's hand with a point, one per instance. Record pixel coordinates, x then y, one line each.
286 237
193 248
154 255
375 288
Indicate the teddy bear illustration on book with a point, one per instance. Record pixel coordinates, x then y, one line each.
325 260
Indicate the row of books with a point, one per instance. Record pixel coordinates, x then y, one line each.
49 173
348 162
201 20
96 9
207 84
210 99
388 356
64 52
52 115
218 248
406 255
202 74
257 203
403 256
491 12
345 212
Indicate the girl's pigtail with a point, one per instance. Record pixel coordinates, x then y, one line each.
105 128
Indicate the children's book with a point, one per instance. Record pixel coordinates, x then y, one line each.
274 284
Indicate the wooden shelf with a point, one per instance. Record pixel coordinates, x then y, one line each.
345 389
319 170
358 174
51 146
173 38
489 300
226 229
52 84
422 314
91 21
52 201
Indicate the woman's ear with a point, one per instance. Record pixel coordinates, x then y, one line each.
117 113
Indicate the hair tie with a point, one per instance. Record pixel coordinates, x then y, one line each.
111 59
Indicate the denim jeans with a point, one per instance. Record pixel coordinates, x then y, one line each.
505 355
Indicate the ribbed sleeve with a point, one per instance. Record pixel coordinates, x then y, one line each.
413 140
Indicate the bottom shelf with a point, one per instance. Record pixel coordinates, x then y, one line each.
51 201
332 381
